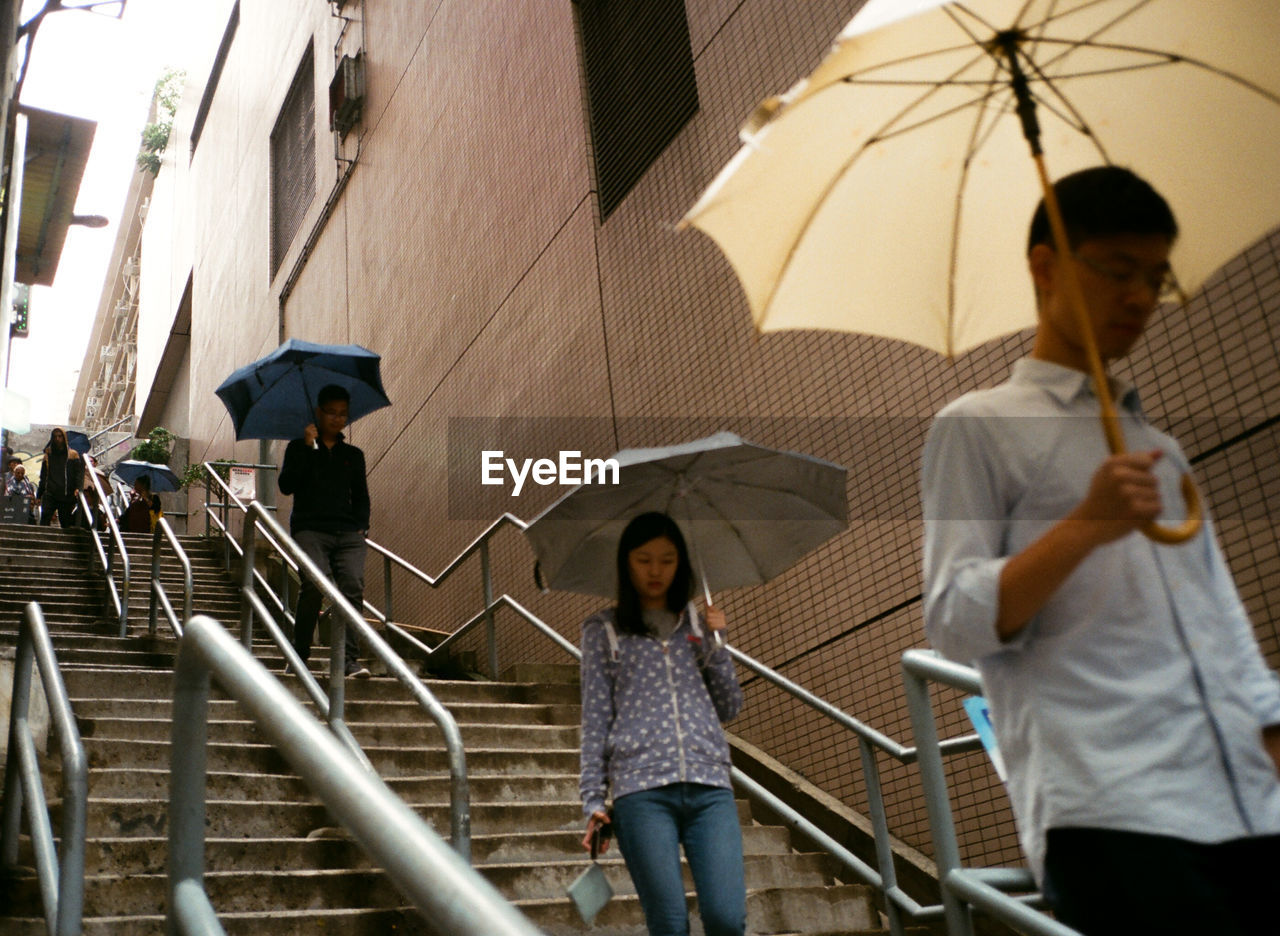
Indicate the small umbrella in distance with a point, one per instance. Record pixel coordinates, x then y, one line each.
161 477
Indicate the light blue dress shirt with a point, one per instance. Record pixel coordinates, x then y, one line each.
1135 699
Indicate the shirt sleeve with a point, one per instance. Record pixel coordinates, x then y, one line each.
360 506
964 523
721 678
291 470
1260 684
597 717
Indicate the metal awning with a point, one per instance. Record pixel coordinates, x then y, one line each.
57 150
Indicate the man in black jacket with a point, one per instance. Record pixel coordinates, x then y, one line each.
61 475
330 518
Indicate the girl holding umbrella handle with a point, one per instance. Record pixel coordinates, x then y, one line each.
655 690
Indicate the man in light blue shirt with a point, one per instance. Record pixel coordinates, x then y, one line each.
1138 720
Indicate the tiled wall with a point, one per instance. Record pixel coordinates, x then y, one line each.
467 250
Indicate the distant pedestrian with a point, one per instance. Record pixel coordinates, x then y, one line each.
61 475
137 516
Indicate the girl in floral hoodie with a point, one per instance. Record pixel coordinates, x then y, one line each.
656 687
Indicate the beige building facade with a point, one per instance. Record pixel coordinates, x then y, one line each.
458 230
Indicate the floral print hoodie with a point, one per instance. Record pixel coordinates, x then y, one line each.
652 709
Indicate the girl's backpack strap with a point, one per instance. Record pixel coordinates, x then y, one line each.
611 635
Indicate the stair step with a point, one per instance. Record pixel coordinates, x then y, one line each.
134 783
374 734
842 909
365 710
389 762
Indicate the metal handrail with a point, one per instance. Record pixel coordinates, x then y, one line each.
435 879
61 884
961 887
479 545
114 542
158 595
259 520
348 616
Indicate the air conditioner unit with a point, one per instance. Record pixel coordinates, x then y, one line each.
143 209
131 267
346 94
108 352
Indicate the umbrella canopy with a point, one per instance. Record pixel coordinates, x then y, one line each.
747 512
78 440
889 192
275 397
162 477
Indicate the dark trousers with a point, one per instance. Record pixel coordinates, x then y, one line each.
1104 882
63 505
340 556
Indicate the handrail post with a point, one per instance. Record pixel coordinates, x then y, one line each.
155 580
114 539
248 547
187 776
386 587
880 829
61 883
938 806
491 631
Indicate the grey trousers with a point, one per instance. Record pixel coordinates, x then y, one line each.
340 556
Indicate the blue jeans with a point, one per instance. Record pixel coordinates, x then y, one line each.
650 827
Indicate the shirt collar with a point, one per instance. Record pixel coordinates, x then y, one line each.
1067 384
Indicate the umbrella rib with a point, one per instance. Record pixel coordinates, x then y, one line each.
710 505
976 138
883 133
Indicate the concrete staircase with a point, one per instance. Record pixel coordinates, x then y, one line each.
271 861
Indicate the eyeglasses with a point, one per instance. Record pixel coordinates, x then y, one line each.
1162 283
334 414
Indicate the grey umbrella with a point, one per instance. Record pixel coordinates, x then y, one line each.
748 513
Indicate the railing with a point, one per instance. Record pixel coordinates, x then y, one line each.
102 432
159 597
479 545
119 598
257 520
435 879
61 884
962 887
228 501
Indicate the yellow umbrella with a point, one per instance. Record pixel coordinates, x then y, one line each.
889 192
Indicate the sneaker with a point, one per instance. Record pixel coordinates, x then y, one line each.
357 670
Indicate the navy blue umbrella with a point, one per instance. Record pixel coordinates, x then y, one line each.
275 397
78 440
162 477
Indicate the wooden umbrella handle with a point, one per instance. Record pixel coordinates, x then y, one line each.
1102 387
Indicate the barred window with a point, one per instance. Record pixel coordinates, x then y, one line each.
293 161
641 88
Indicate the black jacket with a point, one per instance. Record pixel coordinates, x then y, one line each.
60 475
330 492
